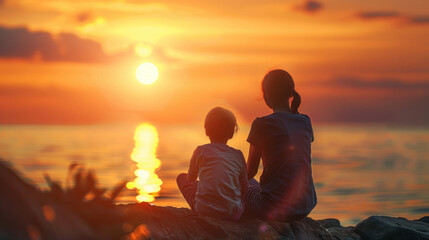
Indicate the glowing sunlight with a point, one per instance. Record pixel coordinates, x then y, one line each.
146 182
147 73
143 49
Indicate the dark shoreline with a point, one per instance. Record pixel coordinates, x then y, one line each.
28 213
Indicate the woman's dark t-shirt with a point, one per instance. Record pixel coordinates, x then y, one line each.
286 182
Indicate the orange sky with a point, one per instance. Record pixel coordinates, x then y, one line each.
72 62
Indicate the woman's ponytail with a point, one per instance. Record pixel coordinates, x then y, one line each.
296 101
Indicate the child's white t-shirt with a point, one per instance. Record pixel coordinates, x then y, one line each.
222 173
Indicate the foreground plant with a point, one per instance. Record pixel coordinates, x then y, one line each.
90 202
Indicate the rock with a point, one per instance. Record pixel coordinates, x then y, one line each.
181 223
390 228
337 231
309 229
343 233
329 222
424 219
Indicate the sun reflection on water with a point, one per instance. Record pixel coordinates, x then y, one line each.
146 182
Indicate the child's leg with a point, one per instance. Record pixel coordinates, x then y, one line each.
253 197
187 188
254 184
253 193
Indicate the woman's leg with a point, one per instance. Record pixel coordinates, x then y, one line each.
188 189
258 206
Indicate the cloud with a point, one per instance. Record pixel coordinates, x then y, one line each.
393 15
73 48
21 43
84 17
310 6
370 15
68 47
368 109
88 21
387 84
419 20
353 99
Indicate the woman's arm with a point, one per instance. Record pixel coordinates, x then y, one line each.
253 161
244 183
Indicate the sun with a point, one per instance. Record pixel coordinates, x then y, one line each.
147 73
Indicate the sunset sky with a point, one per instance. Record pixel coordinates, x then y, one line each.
74 62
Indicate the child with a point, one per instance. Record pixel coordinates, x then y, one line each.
283 141
221 171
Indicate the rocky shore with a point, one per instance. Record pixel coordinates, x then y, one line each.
181 223
28 213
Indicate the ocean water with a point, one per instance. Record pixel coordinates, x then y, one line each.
359 170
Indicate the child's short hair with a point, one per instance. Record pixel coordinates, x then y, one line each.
220 124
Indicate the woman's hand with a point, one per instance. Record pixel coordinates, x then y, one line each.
253 161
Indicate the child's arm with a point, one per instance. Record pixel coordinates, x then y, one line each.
253 161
